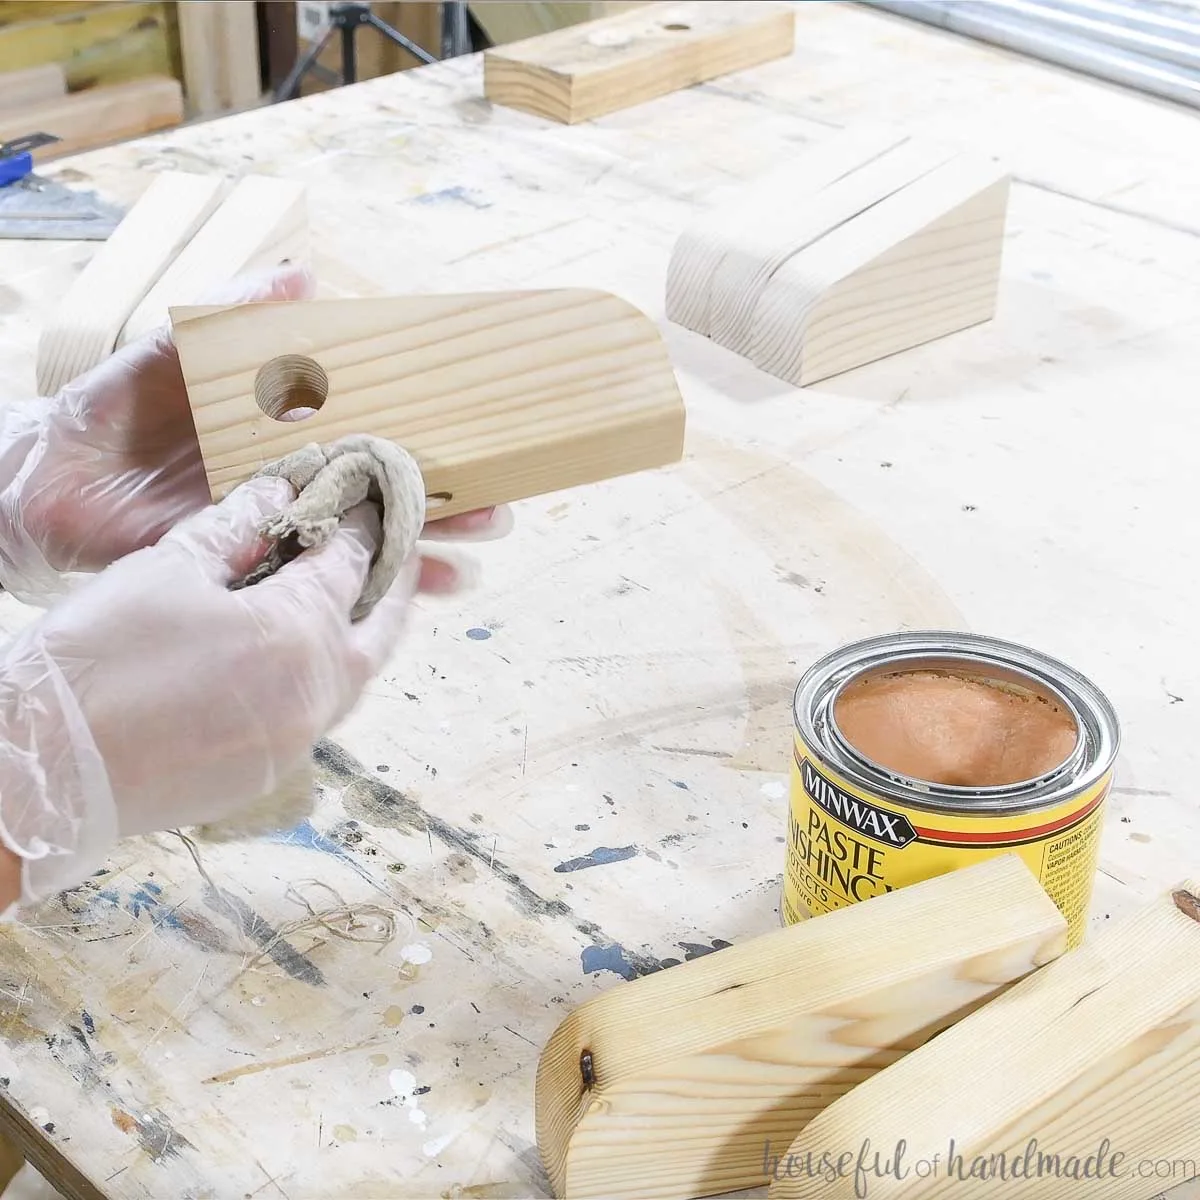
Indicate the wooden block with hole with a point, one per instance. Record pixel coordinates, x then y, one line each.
674 1085
584 71
499 396
869 245
1094 1060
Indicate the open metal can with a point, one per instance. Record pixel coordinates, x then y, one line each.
858 829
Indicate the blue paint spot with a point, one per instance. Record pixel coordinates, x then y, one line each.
479 635
142 899
607 958
88 1023
152 887
310 839
600 857
680 784
109 897
462 195
306 836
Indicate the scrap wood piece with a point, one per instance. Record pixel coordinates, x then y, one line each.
923 263
263 222
584 71
1095 1058
84 329
887 252
498 396
31 85
97 116
672 1085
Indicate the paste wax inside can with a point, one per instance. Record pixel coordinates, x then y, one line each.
944 728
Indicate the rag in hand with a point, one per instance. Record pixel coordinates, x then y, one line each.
330 481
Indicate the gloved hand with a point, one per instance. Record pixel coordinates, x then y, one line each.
110 463
153 697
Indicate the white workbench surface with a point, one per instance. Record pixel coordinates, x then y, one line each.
598 784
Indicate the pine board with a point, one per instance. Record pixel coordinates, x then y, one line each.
499 396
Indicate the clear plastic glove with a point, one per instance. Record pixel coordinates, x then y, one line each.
110 463
153 697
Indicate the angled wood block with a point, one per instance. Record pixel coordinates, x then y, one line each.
1095 1059
85 327
739 211
923 263
677 1085
764 246
499 396
584 71
261 223
892 242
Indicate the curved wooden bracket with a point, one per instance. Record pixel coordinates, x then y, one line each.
498 396
684 1083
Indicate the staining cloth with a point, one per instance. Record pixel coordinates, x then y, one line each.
330 481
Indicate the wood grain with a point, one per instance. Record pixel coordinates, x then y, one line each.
261 223
98 116
697 1069
584 71
84 328
869 244
1103 1046
499 396
31 85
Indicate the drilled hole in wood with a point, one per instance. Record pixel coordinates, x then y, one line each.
437 500
290 387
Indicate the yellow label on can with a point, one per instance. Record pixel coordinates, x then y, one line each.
845 844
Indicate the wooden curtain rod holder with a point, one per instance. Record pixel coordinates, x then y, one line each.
677 1084
499 396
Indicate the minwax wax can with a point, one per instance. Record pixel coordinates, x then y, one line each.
959 704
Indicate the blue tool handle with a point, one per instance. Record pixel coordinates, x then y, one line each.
14 168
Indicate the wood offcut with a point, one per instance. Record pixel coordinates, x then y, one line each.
1101 1048
671 1086
499 396
584 71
